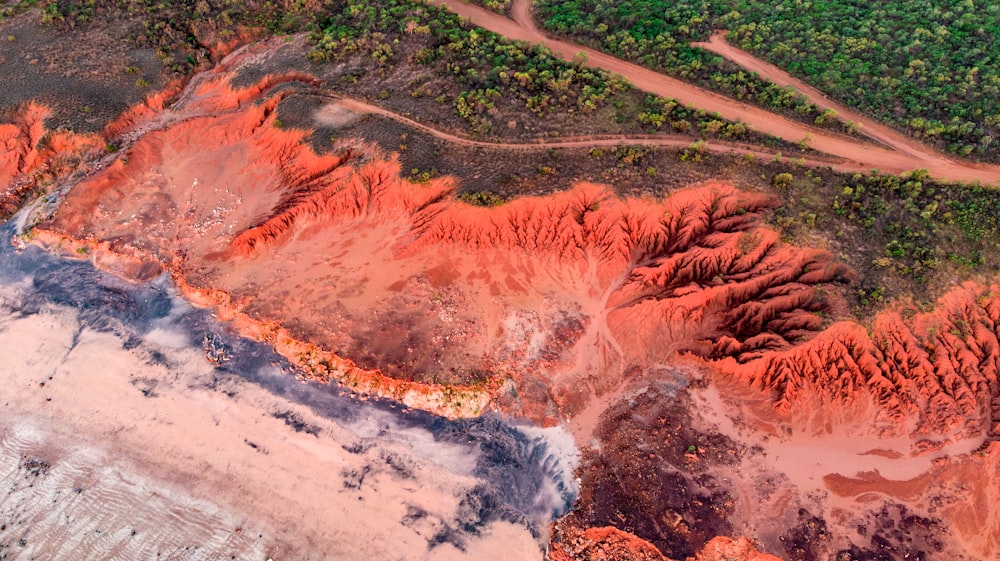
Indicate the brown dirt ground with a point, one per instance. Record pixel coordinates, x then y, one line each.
79 74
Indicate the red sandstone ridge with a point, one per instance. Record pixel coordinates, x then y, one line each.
154 104
563 294
567 295
20 141
726 549
540 305
601 544
612 544
222 40
938 367
28 149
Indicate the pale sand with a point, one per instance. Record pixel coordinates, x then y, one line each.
176 467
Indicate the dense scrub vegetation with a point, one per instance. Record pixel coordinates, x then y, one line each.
657 33
905 234
929 68
498 6
487 66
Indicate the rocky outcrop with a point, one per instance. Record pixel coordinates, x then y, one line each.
939 367
549 292
611 544
566 295
537 307
30 153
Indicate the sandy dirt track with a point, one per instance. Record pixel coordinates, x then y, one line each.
662 140
904 155
871 128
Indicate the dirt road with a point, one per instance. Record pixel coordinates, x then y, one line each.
903 155
870 128
662 140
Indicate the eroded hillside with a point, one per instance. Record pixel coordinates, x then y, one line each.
613 315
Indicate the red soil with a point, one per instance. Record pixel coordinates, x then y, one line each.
601 544
541 305
20 142
938 367
28 151
580 289
967 490
725 549
151 106
355 106
975 517
577 289
611 544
